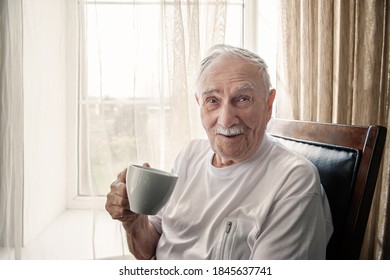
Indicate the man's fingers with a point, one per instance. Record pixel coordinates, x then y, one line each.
119 187
115 199
119 213
122 176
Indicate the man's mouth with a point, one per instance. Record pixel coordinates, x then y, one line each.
230 135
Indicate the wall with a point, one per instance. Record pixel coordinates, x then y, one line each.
44 75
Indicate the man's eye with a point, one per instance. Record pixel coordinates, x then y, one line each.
211 103
244 101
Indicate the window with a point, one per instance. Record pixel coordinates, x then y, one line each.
135 100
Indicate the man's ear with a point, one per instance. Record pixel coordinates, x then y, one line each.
270 102
197 99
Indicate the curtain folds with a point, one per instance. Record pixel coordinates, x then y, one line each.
333 66
11 129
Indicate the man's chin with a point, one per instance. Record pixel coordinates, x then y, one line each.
230 152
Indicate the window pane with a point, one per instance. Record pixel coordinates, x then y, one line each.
113 136
121 54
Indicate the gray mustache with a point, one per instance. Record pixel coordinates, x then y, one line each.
230 131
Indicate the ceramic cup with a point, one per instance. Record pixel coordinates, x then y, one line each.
148 188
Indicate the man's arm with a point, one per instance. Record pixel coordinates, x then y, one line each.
295 228
141 236
298 225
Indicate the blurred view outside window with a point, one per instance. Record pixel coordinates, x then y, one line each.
127 112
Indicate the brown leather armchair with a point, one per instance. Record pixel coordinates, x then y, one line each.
348 160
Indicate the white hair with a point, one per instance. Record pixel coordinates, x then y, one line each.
228 50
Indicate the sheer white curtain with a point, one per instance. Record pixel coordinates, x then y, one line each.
137 100
129 109
11 129
33 58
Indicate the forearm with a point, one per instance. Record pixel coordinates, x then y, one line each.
142 238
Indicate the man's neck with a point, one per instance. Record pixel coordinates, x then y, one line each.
220 162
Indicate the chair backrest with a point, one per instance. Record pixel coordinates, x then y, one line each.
348 160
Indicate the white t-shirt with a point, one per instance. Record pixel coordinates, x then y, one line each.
271 206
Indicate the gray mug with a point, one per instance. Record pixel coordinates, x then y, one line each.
148 189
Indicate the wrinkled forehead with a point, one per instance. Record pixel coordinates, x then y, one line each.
227 68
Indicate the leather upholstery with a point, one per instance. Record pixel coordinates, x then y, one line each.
337 168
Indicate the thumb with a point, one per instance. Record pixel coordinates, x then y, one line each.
146 164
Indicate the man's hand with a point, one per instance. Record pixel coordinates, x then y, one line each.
117 204
141 236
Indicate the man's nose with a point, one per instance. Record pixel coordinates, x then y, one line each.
227 115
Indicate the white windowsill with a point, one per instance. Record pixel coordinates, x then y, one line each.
87 203
79 235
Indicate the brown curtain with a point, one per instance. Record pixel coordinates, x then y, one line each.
333 66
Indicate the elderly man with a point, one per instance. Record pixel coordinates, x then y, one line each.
240 194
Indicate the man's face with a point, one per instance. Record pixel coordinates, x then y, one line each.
234 108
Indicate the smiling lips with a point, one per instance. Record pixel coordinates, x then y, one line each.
229 136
